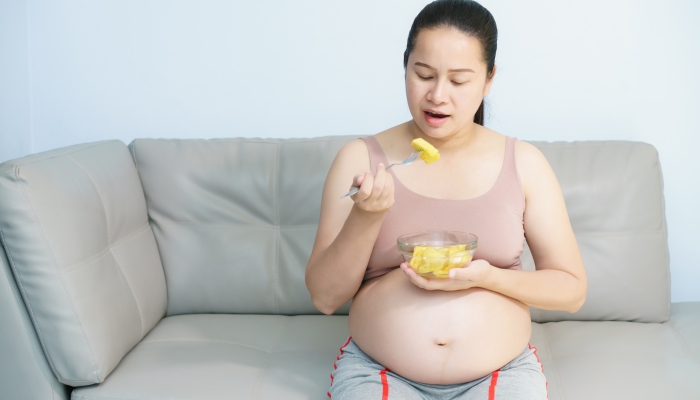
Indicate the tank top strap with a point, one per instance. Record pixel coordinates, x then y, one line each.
376 154
509 162
508 180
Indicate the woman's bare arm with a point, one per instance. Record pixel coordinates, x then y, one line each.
347 227
560 281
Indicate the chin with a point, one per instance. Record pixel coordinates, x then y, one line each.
435 132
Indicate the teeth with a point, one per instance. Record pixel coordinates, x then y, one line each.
436 115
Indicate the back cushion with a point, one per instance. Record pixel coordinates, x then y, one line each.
614 197
235 219
74 225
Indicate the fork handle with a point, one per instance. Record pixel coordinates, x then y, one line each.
350 193
355 189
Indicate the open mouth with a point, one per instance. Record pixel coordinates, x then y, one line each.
436 115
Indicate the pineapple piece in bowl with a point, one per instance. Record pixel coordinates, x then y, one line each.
433 254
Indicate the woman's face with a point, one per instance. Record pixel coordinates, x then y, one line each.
446 81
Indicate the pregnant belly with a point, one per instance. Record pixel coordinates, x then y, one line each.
437 337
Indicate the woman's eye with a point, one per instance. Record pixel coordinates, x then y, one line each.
458 83
425 78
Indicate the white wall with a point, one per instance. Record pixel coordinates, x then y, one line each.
80 71
15 131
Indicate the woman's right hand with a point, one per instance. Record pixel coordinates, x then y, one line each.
376 192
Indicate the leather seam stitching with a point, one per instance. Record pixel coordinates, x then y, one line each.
620 353
70 270
66 154
603 144
268 227
227 342
683 342
560 387
203 340
109 243
131 289
133 155
88 397
86 341
99 194
106 250
263 141
664 230
261 374
19 299
275 268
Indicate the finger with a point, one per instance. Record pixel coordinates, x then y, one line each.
388 191
365 188
378 186
417 279
409 273
459 274
357 180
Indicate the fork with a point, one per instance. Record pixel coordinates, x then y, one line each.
410 159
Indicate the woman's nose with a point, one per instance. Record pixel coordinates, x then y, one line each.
438 93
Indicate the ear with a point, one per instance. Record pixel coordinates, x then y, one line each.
489 82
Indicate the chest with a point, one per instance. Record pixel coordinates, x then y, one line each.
496 218
451 179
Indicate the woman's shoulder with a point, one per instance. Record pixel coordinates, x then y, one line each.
357 150
533 169
353 154
529 160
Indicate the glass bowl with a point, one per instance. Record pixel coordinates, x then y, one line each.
433 253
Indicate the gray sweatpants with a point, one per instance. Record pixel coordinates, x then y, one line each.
356 376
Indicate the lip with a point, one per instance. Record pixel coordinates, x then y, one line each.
430 110
432 121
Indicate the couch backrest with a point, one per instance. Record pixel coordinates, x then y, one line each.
235 221
74 225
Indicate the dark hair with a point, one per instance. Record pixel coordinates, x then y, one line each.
470 18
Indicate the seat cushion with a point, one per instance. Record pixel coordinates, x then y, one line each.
225 356
622 360
221 356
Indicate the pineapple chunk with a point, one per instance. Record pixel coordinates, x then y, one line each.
439 260
429 153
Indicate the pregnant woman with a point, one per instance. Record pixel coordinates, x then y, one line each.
466 336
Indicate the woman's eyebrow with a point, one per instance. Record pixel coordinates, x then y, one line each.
420 64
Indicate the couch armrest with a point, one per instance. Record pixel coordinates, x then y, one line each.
685 319
25 372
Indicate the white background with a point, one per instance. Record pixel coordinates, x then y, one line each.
82 71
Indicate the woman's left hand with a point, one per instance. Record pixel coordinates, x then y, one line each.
472 275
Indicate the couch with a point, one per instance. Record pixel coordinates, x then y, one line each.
174 269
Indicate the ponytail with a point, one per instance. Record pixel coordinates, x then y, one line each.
479 116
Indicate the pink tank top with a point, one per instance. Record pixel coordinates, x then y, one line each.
496 217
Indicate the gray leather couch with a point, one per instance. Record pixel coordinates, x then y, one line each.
174 269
